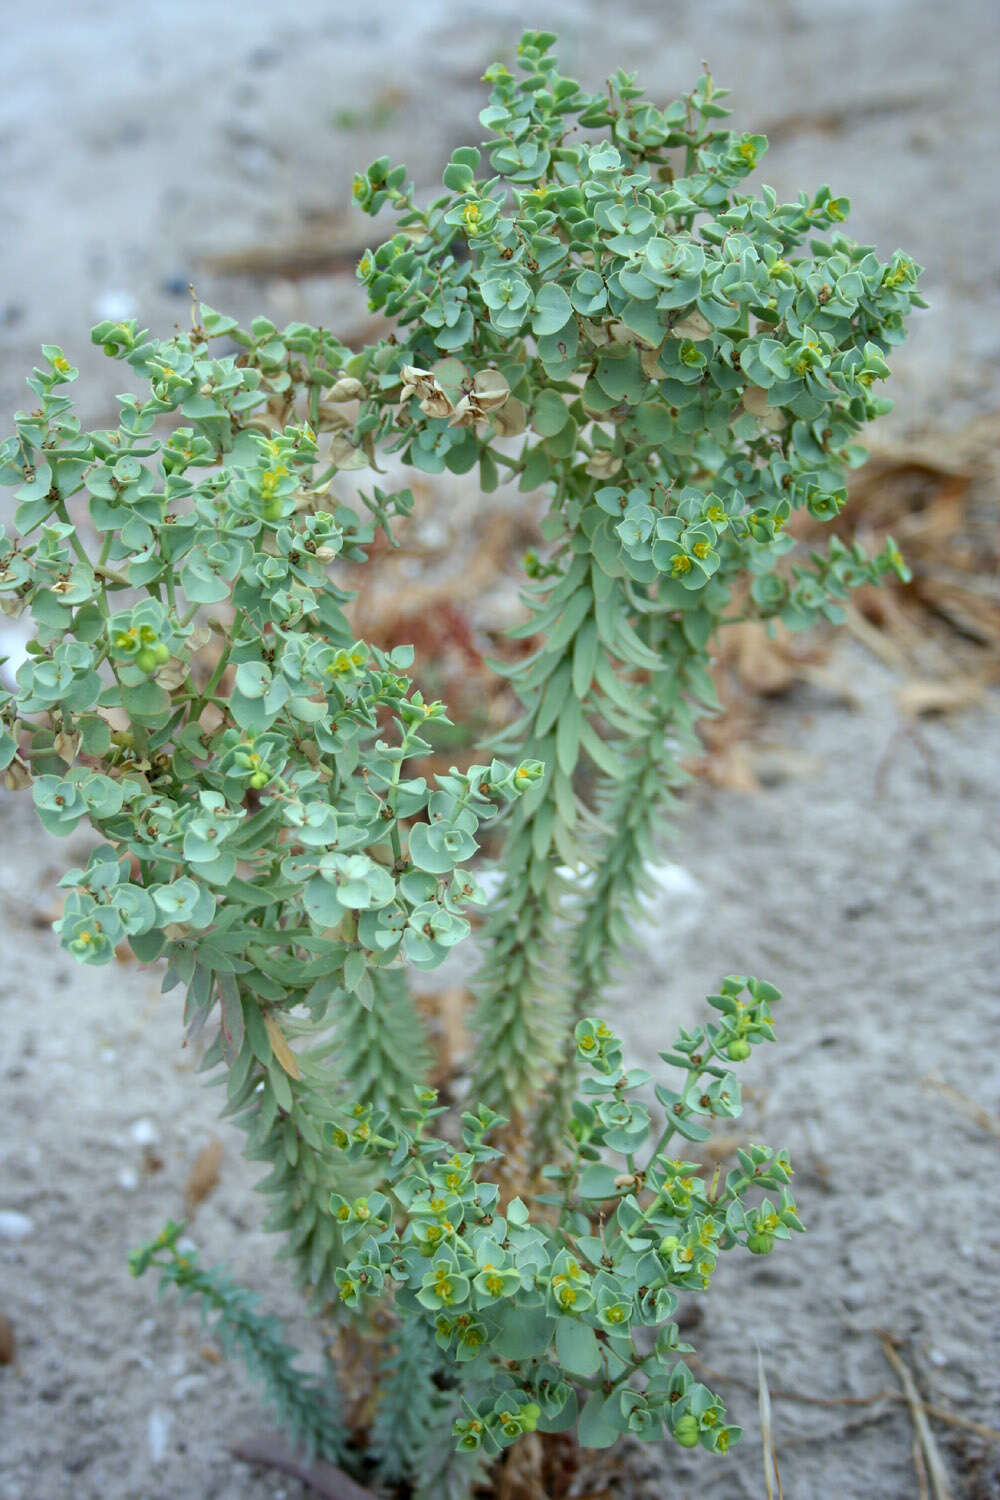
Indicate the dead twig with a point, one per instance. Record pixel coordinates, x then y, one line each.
880 645
922 696
310 255
909 731
271 1452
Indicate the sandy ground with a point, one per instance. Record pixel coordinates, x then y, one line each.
864 881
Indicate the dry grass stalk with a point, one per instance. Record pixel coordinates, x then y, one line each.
772 1478
920 1468
984 1118
939 1413
936 1472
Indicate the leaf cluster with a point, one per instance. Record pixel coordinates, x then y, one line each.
544 1313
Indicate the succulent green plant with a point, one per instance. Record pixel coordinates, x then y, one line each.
681 365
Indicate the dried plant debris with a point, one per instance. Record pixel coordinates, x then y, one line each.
203 1177
941 500
8 1341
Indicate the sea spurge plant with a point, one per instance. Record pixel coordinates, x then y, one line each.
596 307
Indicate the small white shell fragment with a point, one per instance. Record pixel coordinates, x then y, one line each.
14 1225
158 1432
144 1132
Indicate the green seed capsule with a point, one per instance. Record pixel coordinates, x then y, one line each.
161 652
760 1243
738 1049
147 660
686 1431
259 779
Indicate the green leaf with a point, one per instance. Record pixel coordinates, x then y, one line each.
577 1348
281 1087
568 736
620 377
147 946
458 177
596 1428
585 649
252 679
256 1032
355 967
320 900
643 319
216 324
147 703
426 853
563 1420
525 1333
597 1181
556 692
549 414
689 1129
552 310
232 1023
